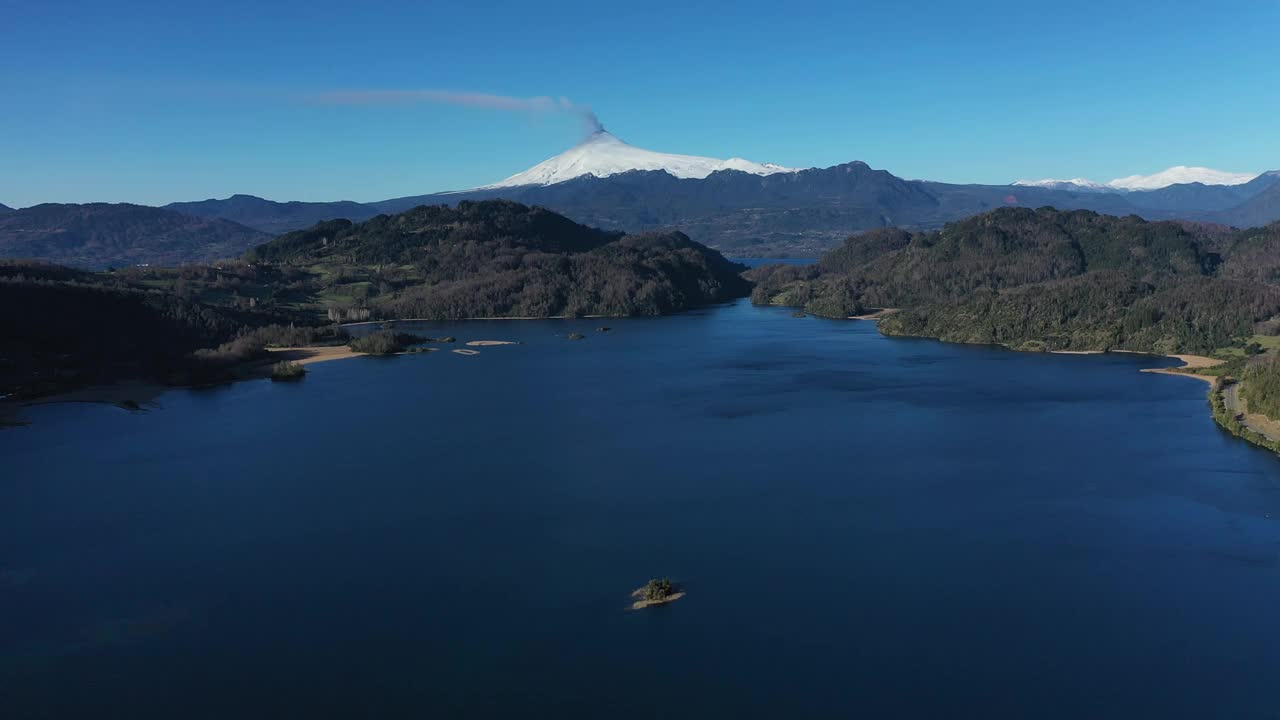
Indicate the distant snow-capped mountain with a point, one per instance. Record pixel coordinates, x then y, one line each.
603 155
1073 185
1177 175
1181 175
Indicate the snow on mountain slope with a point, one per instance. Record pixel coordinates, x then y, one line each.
1179 175
1074 184
602 155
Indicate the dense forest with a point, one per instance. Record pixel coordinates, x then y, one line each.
498 259
65 327
1048 279
1261 386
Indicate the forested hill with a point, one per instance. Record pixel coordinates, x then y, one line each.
98 235
498 258
1048 279
428 232
1261 208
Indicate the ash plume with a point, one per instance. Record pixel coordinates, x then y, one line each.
505 103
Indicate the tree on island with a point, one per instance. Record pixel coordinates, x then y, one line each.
657 590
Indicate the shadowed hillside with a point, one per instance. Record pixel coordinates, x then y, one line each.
100 235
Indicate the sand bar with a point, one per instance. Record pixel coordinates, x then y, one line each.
642 603
1189 362
1197 361
308 355
449 320
486 343
875 314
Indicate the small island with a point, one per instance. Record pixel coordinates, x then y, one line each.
656 592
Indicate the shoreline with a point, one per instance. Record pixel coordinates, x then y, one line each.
1191 363
1257 422
470 319
136 395
1224 404
131 395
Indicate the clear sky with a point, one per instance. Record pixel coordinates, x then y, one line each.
153 102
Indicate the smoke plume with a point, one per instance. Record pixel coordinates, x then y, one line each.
533 105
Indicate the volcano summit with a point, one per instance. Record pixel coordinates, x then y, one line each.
603 154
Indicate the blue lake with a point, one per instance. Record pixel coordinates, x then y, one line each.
865 526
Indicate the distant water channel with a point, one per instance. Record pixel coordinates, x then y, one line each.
866 527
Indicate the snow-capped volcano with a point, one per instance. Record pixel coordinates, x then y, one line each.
603 155
1177 175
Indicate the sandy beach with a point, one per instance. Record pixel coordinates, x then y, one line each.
1189 362
1197 361
875 315
308 355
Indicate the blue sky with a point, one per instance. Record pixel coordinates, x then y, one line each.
154 102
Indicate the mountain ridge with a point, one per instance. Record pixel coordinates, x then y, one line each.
270 215
771 211
1257 211
1176 175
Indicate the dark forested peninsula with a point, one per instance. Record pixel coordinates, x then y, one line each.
66 327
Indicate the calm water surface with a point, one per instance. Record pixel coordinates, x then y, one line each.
865 525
